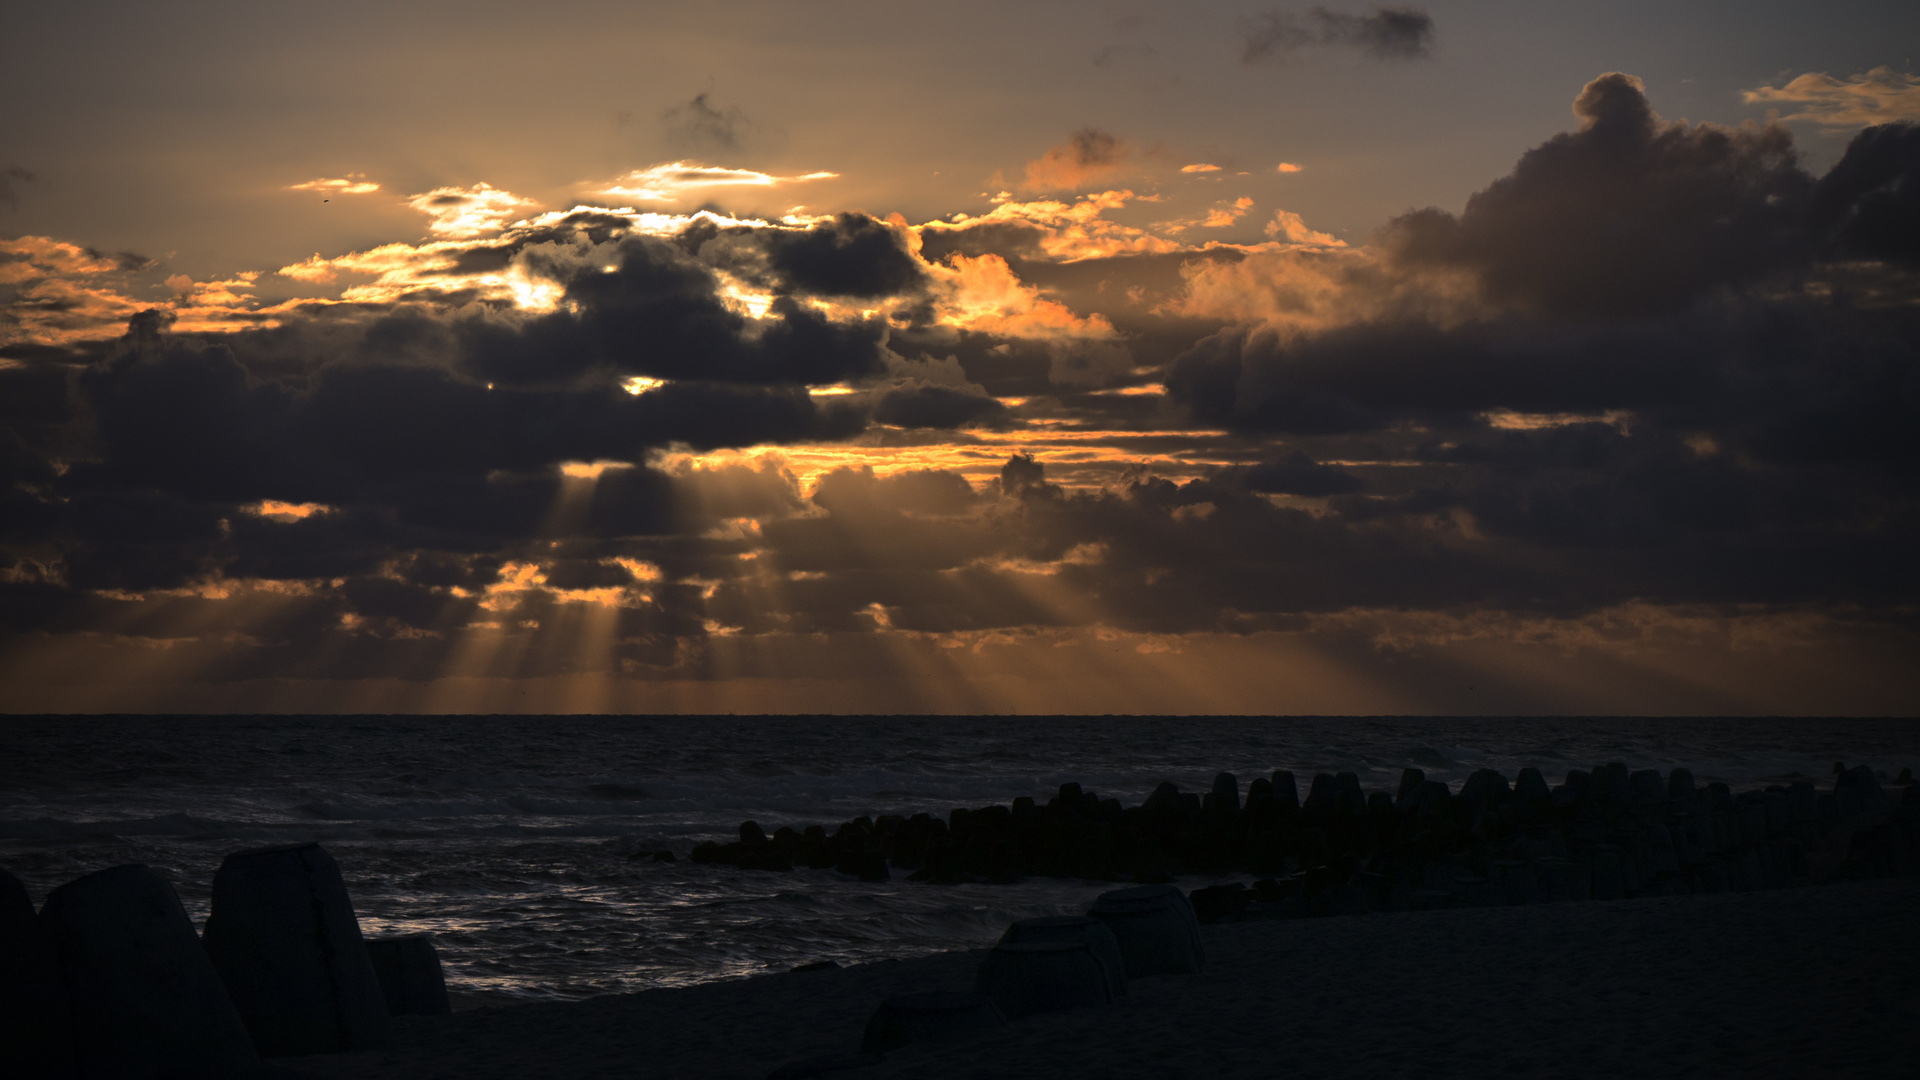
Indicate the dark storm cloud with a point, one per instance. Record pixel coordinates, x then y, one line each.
1870 200
1631 265
659 313
1656 365
127 262
1008 239
1385 33
1369 375
851 255
140 469
935 407
1296 474
1695 409
1628 216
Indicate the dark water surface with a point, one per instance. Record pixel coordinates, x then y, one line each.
508 837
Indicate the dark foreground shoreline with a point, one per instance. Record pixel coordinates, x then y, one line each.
1806 982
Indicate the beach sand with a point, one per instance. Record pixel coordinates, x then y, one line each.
1816 981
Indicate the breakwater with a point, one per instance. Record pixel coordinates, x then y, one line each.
1603 834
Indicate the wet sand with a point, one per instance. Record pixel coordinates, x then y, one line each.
1817 981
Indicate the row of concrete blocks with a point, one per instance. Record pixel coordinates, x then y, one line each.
1040 965
1889 847
110 980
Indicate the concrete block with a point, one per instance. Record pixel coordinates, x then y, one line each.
1026 979
410 977
283 935
36 1025
147 1003
1155 927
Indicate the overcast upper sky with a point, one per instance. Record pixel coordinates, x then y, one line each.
1056 357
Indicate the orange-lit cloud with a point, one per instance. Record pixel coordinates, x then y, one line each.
675 179
1219 217
984 294
1509 420
1879 96
1275 463
352 184
1288 226
1288 167
67 293
30 257
1071 231
277 510
56 311
1301 289
459 213
1091 156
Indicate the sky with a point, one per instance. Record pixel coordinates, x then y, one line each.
1464 358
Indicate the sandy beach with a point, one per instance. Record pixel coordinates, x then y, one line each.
1816 981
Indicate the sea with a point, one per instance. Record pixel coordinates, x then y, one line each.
510 838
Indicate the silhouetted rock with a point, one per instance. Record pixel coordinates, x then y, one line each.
929 1018
1430 800
866 865
1647 787
36 1029
1261 801
1531 786
1319 793
1336 797
1680 784
1574 789
1410 780
147 1002
1611 784
1286 791
283 935
410 976
1485 790
1044 976
1165 801
768 857
1857 791
1227 790
1156 928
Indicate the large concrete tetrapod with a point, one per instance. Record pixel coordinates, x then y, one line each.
410 975
1025 979
147 1005
36 1028
285 940
1156 929
1077 930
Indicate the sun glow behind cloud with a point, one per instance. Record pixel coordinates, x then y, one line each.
1046 442
352 184
458 213
677 179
